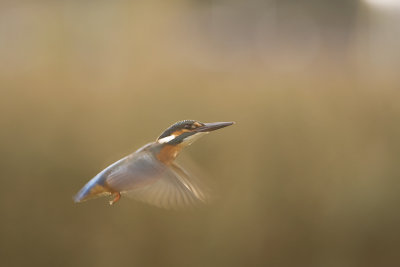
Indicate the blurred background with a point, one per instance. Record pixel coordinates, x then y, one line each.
309 175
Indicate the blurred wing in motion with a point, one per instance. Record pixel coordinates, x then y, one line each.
144 178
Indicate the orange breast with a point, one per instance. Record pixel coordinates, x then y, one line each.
168 153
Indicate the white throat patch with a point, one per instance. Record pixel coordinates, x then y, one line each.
186 142
166 139
190 139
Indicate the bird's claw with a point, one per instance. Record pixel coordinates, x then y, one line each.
116 198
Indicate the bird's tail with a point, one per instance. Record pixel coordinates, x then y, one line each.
91 190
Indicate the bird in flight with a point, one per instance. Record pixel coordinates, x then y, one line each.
150 174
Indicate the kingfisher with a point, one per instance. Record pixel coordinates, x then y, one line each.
151 174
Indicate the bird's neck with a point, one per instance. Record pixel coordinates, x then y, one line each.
168 153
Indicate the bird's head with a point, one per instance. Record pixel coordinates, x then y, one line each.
185 132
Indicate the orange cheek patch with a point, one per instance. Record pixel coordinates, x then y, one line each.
179 132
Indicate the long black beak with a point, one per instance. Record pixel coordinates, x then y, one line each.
208 127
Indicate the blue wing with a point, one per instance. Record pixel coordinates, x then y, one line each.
146 179
143 177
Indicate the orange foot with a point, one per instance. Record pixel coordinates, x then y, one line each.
116 198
